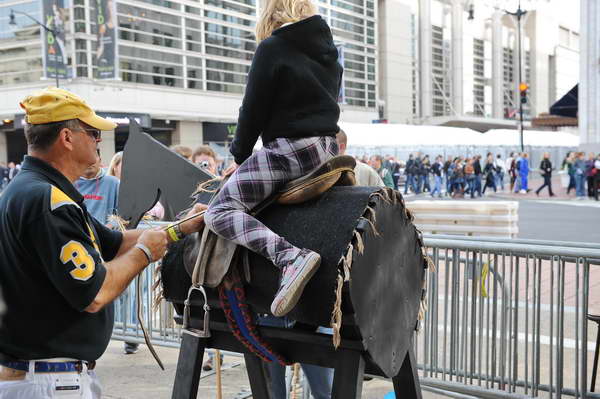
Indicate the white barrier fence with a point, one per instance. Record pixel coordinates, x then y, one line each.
469 218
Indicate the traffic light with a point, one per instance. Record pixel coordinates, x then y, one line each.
523 87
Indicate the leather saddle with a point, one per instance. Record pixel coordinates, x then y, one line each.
338 171
215 254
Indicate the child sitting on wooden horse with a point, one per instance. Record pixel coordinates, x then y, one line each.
291 103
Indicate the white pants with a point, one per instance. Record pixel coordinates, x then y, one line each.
84 385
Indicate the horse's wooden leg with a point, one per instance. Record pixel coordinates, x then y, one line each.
348 375
189 367
257 376
406 383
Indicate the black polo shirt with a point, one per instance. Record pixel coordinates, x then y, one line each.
51 268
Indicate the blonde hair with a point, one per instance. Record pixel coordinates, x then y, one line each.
204 150
114 162
279 12
182 150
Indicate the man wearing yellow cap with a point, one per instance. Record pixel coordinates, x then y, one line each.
60 269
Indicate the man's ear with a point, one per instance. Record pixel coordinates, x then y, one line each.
65 138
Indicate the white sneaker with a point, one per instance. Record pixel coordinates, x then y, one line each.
294 278
522 192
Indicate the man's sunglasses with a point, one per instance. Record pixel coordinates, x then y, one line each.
93 133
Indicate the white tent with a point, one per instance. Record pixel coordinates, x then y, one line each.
533 138
399 135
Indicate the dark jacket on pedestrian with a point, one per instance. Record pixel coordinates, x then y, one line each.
409 167
447 166
546 167
426 169
436 169
589 167
292 87
477 167
416 167
489 169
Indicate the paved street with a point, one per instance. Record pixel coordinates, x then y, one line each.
139 377
560 218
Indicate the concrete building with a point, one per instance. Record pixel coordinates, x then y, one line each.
460 58
589 88
181 65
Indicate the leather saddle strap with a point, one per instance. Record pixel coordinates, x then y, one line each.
199 271
206 241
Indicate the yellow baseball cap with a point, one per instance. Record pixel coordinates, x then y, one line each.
56 105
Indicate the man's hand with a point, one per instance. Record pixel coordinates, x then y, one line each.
156 241
230 169
195 224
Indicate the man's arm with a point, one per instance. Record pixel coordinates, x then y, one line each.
130 237
121 270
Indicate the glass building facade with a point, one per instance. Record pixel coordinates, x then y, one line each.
204 45
20 44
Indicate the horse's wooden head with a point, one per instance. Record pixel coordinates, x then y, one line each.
151 171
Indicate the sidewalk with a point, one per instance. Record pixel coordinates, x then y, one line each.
560 192
138 376
535 181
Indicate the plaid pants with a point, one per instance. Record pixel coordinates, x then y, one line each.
263 174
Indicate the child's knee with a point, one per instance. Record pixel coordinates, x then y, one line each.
209 218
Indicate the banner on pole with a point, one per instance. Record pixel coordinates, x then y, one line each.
54 16
106 50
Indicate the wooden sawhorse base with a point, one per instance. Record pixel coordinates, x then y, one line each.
298 346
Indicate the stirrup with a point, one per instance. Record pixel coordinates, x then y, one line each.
205 332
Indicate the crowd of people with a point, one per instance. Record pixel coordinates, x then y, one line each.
472 176
584 174
7 173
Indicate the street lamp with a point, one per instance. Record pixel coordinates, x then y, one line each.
54 33
519 14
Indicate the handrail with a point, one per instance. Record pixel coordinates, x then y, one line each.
509 247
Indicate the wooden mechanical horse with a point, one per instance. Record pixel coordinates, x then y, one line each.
369 288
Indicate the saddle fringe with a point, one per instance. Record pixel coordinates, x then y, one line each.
375 232
336 316
388 196
359 243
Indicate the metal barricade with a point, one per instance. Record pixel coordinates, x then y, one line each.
158 318
508 319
